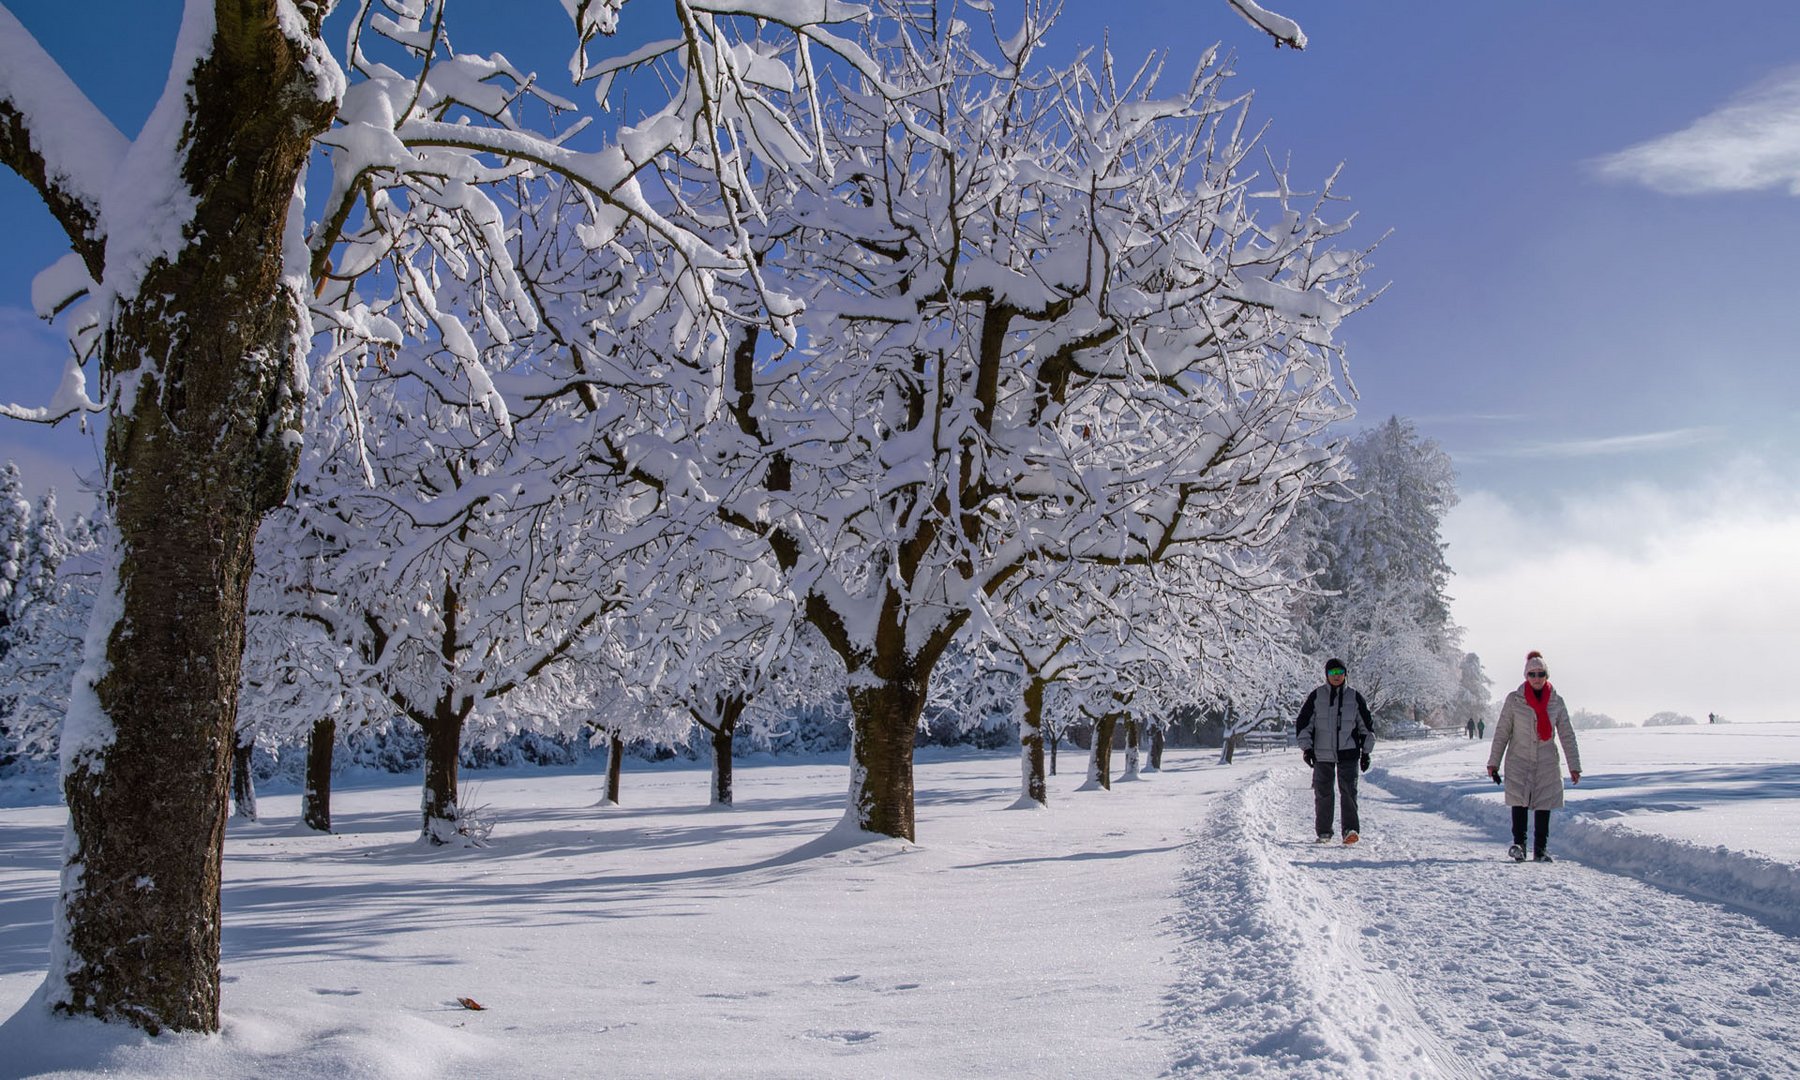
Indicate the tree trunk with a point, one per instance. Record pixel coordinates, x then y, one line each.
1156 747
615 761
315 804
201 444
1031 743
243 781
724 734
884 723
1100 765
1055 741
1133 736
441 815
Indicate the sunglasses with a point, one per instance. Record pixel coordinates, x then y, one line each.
1334 671
1537 674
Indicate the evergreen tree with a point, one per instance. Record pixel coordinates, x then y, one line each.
47 615
1472 691
15 528
1381 575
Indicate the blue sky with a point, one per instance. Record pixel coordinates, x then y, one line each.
1591 211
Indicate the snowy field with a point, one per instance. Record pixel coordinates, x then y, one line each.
1183 925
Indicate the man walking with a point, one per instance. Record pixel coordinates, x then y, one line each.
1335 732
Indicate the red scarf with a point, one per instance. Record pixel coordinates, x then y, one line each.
1541 706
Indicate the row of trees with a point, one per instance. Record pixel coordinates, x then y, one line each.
303 689
872 344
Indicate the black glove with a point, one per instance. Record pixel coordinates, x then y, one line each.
1495 774
1307 756
1363 763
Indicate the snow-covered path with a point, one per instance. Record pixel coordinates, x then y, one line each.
1425 952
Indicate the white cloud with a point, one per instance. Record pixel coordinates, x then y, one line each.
1642 598
1751 143
1600 446
1617 444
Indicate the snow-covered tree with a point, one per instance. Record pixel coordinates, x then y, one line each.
1056 625
198 325
301 684
1381 579
1472 692
187 288
190 244
41 642
1044 316
451 610
1586 720
15 533
731 655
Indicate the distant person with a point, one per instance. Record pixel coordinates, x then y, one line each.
1711 718
1470 728
1532 721
1481 728
1335 731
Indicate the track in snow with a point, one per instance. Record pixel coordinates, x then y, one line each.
1424 952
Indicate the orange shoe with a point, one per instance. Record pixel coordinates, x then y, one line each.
1350 838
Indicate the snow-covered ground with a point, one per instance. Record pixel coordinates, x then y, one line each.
1181 925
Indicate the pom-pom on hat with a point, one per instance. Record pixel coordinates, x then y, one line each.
1334 664
1535 660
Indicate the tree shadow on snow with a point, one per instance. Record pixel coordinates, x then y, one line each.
1074 856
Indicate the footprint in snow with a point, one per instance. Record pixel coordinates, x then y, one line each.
848 1038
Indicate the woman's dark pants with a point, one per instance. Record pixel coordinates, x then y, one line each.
1542 830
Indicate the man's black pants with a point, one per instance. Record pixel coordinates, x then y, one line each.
1345 783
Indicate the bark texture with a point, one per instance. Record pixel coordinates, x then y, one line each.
201 444
315 804
885 718
724 736
243 781
1031 742
438 804
615 763
1103 745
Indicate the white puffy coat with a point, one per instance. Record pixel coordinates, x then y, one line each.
1531 767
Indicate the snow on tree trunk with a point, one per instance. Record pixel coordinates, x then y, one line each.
441 814
315 804
723 737
721 766
1100 761
203 342
1031 744
884 722
1132 738
243 782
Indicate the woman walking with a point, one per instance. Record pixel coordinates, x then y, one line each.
1533 720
